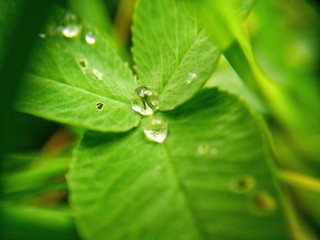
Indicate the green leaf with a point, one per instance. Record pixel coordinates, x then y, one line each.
25 222
171 54
231 37
35 180
73 82
208 180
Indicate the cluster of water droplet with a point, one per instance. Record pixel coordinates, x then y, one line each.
204 149
145 101
70 27
261 202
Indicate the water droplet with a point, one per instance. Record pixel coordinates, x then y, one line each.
191 76
100 106
90 38
263 203
243 184
70 26
83 63
145 101
97 74
42 35
203 149
156 129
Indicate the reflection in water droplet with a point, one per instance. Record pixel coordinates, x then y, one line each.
42 35
90 38
100 106
70 26
263 203
97 74
145 101
156 129
203 149
191 76
243 184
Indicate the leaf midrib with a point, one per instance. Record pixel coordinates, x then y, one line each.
187 201
77 89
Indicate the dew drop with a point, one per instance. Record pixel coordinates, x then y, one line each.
203 149
90 38
191 76
263 203
156 129
243 184
97 74
100 106
42 35
70 26
145 101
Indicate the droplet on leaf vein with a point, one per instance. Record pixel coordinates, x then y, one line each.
156 129
145 101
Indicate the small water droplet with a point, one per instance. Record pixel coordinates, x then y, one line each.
97 74
42 35
263 203
70 26
191 76
100 106
90 38
156 129
243 184
145 101
203 149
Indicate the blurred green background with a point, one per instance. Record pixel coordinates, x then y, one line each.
35 153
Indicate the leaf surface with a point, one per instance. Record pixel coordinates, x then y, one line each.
208 180
171 54
68 79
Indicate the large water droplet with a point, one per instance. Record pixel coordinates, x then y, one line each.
97 74
191 76
243 184
156 129
90 38
145 101
263 203
70 26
